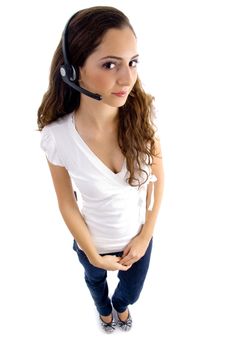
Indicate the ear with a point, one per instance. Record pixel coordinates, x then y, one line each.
81 73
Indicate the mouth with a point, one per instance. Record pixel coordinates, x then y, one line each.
120 93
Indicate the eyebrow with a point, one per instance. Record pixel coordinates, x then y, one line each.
117 58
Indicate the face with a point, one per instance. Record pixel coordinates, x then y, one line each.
111 70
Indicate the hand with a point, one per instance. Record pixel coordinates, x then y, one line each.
134 251
112 263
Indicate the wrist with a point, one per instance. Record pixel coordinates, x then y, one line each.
96 260
146 234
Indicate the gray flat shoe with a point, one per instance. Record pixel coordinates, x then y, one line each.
108 327
125 325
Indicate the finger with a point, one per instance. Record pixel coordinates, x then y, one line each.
125 260
117 258
126 251
125 267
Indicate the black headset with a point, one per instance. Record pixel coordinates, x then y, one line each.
67 70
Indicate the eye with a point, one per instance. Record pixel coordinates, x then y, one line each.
109 65
133 63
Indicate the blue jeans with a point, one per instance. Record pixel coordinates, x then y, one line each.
128 289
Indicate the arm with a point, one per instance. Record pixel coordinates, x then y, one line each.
138 245
75 222
151 215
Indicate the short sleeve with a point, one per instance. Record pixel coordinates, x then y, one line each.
48 145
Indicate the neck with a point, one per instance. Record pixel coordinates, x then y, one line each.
97 115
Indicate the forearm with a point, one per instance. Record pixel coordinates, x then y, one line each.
79 230
81 234
139 244
151 215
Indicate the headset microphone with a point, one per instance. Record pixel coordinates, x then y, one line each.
67 70
68 81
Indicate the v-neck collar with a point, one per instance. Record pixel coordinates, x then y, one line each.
94 157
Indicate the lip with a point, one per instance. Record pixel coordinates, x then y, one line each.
120 93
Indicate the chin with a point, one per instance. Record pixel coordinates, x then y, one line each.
115 104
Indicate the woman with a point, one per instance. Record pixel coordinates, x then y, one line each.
98 135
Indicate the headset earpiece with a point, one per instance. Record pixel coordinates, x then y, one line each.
74 75
68 71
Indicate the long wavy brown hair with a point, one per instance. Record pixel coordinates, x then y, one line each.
136 131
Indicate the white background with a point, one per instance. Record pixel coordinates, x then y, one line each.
186 63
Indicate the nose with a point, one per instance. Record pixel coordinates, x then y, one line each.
125 77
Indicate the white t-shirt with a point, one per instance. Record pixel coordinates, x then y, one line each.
113 210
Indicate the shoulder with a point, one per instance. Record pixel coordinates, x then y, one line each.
52 139
57 130
57 125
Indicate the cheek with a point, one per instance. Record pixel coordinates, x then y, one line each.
100 80
135 76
